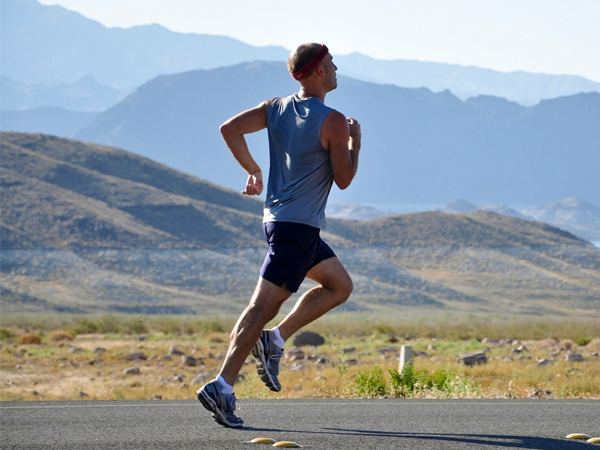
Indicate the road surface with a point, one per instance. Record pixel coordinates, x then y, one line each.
313 424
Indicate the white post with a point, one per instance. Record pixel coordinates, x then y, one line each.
406 356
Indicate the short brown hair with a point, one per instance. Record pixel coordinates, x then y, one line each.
302 56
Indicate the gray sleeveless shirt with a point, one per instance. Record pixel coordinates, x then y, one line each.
300 174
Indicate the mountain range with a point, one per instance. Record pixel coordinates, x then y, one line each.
44 44
85 94
418 146
89 228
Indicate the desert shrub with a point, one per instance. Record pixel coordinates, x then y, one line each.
5 333
410 382
211 325
402 383
135 326
371 383
60 335
567 344
108 324
84 326
27 339
167 325
582 341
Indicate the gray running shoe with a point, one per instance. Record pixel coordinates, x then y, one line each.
267 356
220 405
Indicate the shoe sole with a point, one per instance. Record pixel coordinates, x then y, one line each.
210 405
258 351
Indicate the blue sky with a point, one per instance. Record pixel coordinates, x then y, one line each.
547 36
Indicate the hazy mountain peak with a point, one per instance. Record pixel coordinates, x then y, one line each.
460 206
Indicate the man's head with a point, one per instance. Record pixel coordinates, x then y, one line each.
308 58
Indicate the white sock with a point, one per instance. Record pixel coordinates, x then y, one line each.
225 388
278 340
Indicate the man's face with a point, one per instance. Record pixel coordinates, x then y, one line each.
329 68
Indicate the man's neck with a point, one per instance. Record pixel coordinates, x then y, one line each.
305 93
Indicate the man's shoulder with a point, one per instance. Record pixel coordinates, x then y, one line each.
336 119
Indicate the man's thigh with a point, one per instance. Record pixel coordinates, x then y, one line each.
330 273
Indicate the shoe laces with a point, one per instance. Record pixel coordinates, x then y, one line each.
232 402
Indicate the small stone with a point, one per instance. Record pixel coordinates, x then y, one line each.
99 350
295 354
322 361
539 393
470 359
351 362
184 386
189 361
297 367
178 378
36 393
308 338
386 350
136 356
574 357
75 349
82 394
166 358
350 349
431 347
175 351
157 397
132 371
544 362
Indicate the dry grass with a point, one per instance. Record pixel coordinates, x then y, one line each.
92 365
30 339
60 335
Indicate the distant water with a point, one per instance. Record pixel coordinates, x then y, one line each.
596 243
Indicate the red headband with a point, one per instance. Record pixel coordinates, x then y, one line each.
306 70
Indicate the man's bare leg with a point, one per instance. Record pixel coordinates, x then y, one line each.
263 307
335 288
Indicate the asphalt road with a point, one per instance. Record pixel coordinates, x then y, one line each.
313 424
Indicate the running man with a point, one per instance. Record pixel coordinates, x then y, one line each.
311 146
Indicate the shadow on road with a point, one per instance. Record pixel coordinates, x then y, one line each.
527 442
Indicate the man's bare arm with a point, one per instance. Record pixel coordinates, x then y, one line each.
342 137
233 131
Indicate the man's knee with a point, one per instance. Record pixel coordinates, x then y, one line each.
343 289
264 310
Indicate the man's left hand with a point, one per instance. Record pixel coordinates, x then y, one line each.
254 185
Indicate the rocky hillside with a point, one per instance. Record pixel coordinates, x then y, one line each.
91 228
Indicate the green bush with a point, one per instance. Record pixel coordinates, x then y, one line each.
135 326
402 383
371 383
582 341
5 333
109 324
84 326
410 382
211 325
